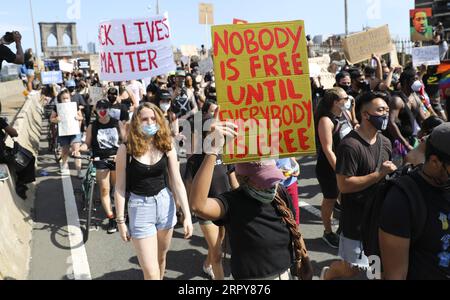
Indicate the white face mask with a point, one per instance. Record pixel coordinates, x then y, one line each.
348 104
165 107
417 86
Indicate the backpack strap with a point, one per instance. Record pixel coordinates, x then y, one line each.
417 204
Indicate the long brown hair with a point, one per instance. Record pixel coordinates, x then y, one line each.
288 219
138 143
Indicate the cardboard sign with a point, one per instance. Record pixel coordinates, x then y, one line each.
428 56
263 85
237 21
68 113
206 14
66 66
420 22
394 57
84 64
360 46
135 49
318 66
51 77
189 50
96 94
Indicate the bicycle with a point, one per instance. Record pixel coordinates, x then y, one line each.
88 187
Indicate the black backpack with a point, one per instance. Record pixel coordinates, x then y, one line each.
181 104
405 180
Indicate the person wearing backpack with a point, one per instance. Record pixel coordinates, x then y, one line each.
363 160
184 104
417 247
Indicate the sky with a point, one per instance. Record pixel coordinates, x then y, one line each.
321 16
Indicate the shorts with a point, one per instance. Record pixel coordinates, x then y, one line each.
203 222
351 251
148 215
327 180
105 165
69 140
30 72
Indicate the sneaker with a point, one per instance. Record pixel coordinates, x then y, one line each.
209 271
112 226
323 273
332 239
3 175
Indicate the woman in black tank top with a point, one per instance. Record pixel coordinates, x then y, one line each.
103 136
147 168
332 126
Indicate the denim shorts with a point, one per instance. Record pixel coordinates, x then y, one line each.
351 251
148 215
64 141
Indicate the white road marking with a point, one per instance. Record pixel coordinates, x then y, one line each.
81 270
312 210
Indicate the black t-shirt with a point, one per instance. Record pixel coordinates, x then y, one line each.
260 242
355 157
220 183
6 54
105 138
432 84
119 111
430 254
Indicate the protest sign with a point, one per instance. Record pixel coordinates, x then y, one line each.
135 48
420 22
393 55
262 80
51 77
360 46
238 21
96 94
205 65
318 66
189 50
84 64
68 113
428 56
66 66
206 14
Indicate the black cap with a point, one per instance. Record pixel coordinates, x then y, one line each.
103 104
440 138
164 95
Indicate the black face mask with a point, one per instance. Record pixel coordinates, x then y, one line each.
112 98
346 88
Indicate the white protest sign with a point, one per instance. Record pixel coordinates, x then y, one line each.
135 48
69 124
206 65
51 77
428 56
66 66
95 94
185 59
318 66
189 50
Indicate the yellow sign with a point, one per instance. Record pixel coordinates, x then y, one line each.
263 84
360 46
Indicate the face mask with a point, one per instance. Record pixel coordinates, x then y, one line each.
347 105
112 98
265 197
150 130
165 107
103 113
346 88
379 122
417 86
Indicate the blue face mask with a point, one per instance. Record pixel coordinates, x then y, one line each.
150 130
379 122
